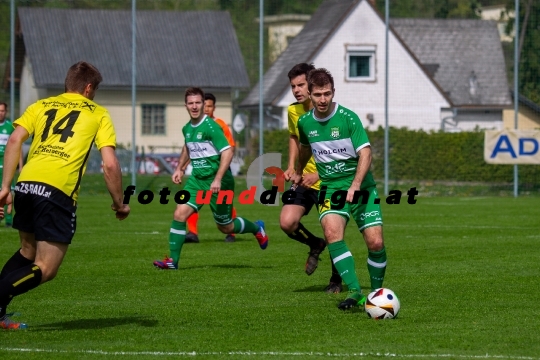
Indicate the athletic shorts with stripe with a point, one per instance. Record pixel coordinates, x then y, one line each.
222 212
365 215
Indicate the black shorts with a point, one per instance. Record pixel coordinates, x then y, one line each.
45 211
302 196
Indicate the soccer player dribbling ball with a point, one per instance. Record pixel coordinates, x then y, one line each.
64 129
305 195
341 149
210 154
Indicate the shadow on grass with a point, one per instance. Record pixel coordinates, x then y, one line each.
313 288
101 323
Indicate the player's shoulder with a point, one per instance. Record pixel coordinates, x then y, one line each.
305 117
295 109
72 101
347 113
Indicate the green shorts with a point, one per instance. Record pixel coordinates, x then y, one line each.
221 210
365 213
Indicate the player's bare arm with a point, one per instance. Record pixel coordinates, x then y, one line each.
293 156
11 158
224 163
304 153
183 161
364 163
113 179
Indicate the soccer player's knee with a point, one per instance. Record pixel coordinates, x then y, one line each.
47 272
180 216
375 244
226 229
288 227
288 224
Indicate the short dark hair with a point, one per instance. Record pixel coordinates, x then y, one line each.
3 103
81 74
210 96
319 77
190 91
300 69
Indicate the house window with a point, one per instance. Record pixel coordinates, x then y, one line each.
361 63
153 119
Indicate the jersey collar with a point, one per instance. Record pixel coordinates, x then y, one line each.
200 122
329 116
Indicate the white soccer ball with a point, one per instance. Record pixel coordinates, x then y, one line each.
382 304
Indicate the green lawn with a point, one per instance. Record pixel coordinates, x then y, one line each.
466 270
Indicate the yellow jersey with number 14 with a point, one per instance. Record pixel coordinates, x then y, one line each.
64 128
294 111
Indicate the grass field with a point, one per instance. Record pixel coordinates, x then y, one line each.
466 270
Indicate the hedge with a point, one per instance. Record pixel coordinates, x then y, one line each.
417 155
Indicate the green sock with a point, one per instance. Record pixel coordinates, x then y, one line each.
243 226
344 262
376 265
177 235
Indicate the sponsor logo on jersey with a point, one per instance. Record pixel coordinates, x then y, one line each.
188 135
337 168
197 148
329 151
334 132
88 106
313 133
200 163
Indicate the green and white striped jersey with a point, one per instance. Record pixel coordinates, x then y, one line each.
205 142
6 128
335 142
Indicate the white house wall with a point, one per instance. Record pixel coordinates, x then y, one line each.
414 101
118 103
29 94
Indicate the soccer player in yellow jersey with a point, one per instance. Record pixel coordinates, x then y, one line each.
306 194
64 129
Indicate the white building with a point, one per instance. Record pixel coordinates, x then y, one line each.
170 58
442 73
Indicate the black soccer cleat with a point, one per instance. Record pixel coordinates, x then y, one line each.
191 238
312 261
354 299
333 288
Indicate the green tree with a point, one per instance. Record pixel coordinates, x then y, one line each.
464 9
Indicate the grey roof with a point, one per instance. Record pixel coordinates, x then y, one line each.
455 54
462 54
301 49
174 49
